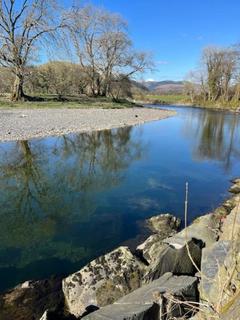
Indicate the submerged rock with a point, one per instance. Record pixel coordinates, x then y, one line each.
147 301
29 300
103 281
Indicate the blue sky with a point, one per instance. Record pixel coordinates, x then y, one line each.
175 31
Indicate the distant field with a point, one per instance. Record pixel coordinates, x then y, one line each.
164 98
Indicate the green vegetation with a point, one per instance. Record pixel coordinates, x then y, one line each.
162 99
67 103
216 84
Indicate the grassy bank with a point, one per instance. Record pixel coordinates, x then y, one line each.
162 99
69 102
232 105
177 99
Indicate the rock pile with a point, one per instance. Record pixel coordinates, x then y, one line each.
194 273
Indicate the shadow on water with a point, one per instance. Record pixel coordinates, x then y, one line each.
66 200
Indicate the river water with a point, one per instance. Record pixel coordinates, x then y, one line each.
65 200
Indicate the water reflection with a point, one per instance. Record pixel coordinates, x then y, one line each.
65 200
216 135
49 187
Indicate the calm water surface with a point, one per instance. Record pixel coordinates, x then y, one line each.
65 200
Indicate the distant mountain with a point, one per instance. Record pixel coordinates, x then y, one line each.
161 87
138 87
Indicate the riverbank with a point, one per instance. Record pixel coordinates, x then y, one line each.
24 124
183 100
187 274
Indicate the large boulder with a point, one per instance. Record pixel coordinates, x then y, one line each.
126 312
161 292
56 315
231 203
220 273
180 253
150 249
204 229
235 188
103 281
181 261
162 226
230 229
29 300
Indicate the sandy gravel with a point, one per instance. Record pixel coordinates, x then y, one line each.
19 124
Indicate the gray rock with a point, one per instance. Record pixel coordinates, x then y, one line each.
220 212
103 281
177 286
163 226
126 312
175 260
213 259
204 228
231 203
231 225
235 188
158 292
151 248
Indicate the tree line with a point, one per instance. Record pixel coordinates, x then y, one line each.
94 40
218 77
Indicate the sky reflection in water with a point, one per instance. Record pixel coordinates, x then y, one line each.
65 200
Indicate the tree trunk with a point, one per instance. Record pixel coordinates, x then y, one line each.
17 91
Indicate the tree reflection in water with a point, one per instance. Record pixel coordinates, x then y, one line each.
49 186
216 136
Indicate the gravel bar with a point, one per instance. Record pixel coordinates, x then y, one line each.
24 124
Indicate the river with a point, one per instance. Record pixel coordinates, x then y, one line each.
65 200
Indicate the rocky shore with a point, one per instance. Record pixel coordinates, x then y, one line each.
189 274
24 124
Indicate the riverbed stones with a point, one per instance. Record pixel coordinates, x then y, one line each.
156 296
103 281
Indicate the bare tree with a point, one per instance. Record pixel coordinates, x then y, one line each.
103 48
220 65
22 25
